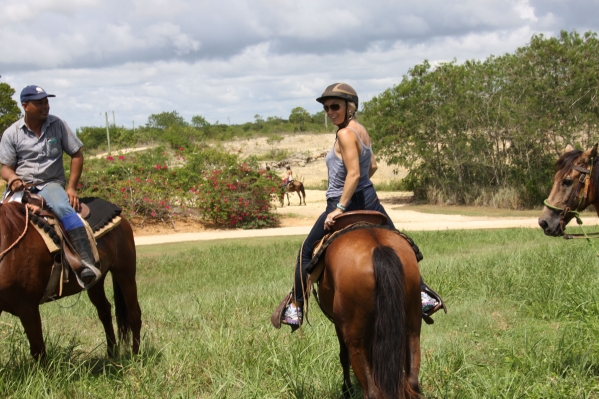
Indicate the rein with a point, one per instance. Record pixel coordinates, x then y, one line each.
19 238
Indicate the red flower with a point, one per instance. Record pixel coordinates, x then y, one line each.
121 157
109 158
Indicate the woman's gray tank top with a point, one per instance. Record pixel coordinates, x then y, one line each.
338 172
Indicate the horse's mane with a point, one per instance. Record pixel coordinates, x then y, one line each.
567 161
12 216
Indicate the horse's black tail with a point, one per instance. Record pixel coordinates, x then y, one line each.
120 310
389 346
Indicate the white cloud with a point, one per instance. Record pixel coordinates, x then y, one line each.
525 11
26 10
182 42
237 58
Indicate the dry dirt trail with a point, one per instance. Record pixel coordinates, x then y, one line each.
298 220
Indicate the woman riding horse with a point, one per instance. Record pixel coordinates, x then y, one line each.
350 164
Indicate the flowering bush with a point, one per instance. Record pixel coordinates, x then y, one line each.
238 196
210 184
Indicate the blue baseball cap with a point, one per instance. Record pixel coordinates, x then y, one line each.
33 93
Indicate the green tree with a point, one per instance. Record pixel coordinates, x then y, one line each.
164 120
9 109
199 122
469 133
299 116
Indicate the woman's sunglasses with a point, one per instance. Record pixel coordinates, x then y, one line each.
333 107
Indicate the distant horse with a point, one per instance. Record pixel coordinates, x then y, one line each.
25 267
370 288
575 187
293 186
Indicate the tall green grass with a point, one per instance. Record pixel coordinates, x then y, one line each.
522 323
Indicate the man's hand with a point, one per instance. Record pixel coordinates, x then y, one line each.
73 199
16 184
33 208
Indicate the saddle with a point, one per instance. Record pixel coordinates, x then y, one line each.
58 242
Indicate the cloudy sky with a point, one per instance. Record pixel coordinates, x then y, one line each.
229 60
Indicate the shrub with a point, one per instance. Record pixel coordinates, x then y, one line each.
209 183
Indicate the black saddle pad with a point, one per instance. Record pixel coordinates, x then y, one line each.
101 212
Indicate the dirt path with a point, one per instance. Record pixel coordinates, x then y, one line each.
298 220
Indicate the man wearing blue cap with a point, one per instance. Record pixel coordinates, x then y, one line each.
31 152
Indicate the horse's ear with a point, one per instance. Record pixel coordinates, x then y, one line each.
569 148
594 151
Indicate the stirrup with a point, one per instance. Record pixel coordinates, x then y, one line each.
277 315
440 304
97 275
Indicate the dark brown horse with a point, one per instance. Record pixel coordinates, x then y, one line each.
25 271
370 288
575 187
293 186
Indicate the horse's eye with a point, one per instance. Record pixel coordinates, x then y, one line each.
566 182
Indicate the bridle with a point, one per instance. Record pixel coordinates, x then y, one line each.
582 187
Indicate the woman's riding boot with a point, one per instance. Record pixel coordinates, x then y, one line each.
279 315
89 272
426 316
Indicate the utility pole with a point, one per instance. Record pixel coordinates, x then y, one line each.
133 126
113 120
326 122
107 132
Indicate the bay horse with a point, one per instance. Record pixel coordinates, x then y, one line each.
25 270
575 187
293 186
370 289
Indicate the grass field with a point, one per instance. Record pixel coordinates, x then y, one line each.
522 323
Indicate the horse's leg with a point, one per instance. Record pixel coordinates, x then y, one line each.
344 359
414 361
32 323
97 296
356 323
288 203
361 365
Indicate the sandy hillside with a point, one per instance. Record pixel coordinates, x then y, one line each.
307 144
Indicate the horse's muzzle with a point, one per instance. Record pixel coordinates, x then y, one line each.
554 231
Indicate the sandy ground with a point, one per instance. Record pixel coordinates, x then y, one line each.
298 220
309 144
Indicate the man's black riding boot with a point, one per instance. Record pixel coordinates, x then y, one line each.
89 273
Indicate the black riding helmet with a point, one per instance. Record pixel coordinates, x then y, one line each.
344 92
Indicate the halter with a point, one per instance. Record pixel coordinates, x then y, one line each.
584 180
